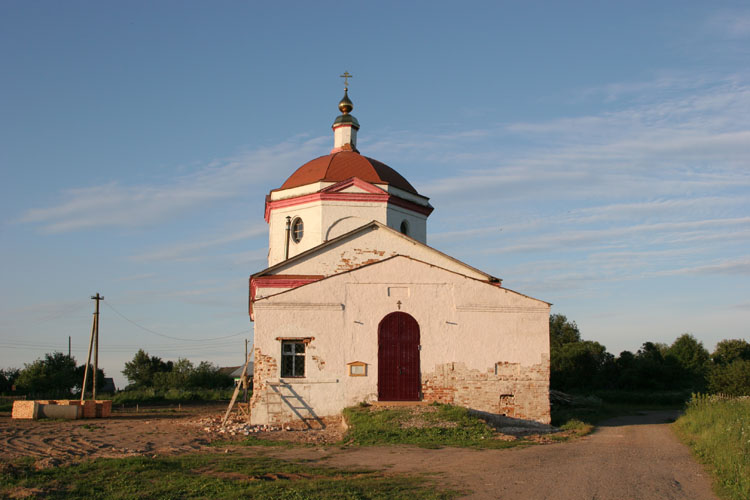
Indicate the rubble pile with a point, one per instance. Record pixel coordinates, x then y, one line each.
235 426
328 430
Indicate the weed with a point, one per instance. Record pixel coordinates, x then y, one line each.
718 432
431 426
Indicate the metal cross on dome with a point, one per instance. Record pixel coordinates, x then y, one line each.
346 77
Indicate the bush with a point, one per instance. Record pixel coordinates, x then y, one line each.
152 396
53 376
150 371
732 379
7 379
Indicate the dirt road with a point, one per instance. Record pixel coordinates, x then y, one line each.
629 458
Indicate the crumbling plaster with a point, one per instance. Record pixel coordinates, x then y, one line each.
366 246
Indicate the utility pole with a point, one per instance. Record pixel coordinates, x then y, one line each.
93 341
97 298
88 360
244 381
68 345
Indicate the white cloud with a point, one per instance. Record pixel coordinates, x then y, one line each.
187 250
116 205
612 236
731 24
730 267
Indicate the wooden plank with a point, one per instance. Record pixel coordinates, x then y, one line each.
236 392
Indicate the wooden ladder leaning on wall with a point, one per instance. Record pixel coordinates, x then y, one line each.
244 408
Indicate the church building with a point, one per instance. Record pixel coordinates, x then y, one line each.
356 307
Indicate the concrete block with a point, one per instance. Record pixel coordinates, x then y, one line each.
89 409
69 412
25 410
103 408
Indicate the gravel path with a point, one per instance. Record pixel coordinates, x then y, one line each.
628 458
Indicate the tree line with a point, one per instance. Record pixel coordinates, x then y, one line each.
54 375
57 375
144 372
578 365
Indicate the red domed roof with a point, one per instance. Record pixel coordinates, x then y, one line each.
344 165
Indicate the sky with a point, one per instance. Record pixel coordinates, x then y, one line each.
595 155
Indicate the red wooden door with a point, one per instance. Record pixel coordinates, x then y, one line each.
398 358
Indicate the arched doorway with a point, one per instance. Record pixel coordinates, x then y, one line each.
398 358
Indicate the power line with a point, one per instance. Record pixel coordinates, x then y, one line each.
243 332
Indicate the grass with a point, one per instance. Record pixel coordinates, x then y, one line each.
210 476
150 396
718 433
434 426
256 441
572 428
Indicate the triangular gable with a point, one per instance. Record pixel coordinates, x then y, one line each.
369 243
384 271
353 185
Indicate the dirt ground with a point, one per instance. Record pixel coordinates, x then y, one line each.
150 432
627 458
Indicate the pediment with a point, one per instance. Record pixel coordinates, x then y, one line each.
367 244
353 185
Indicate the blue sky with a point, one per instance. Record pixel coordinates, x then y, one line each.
595 155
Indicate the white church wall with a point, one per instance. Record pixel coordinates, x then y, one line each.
468 331
340 217
311 216
325 220
416 223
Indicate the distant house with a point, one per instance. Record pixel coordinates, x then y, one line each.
109 385
236 371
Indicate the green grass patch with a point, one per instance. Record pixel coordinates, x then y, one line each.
576 428
718 433
431 426
211 476
152 396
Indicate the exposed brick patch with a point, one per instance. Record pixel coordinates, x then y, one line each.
508 389
319 362
358 258
264 368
